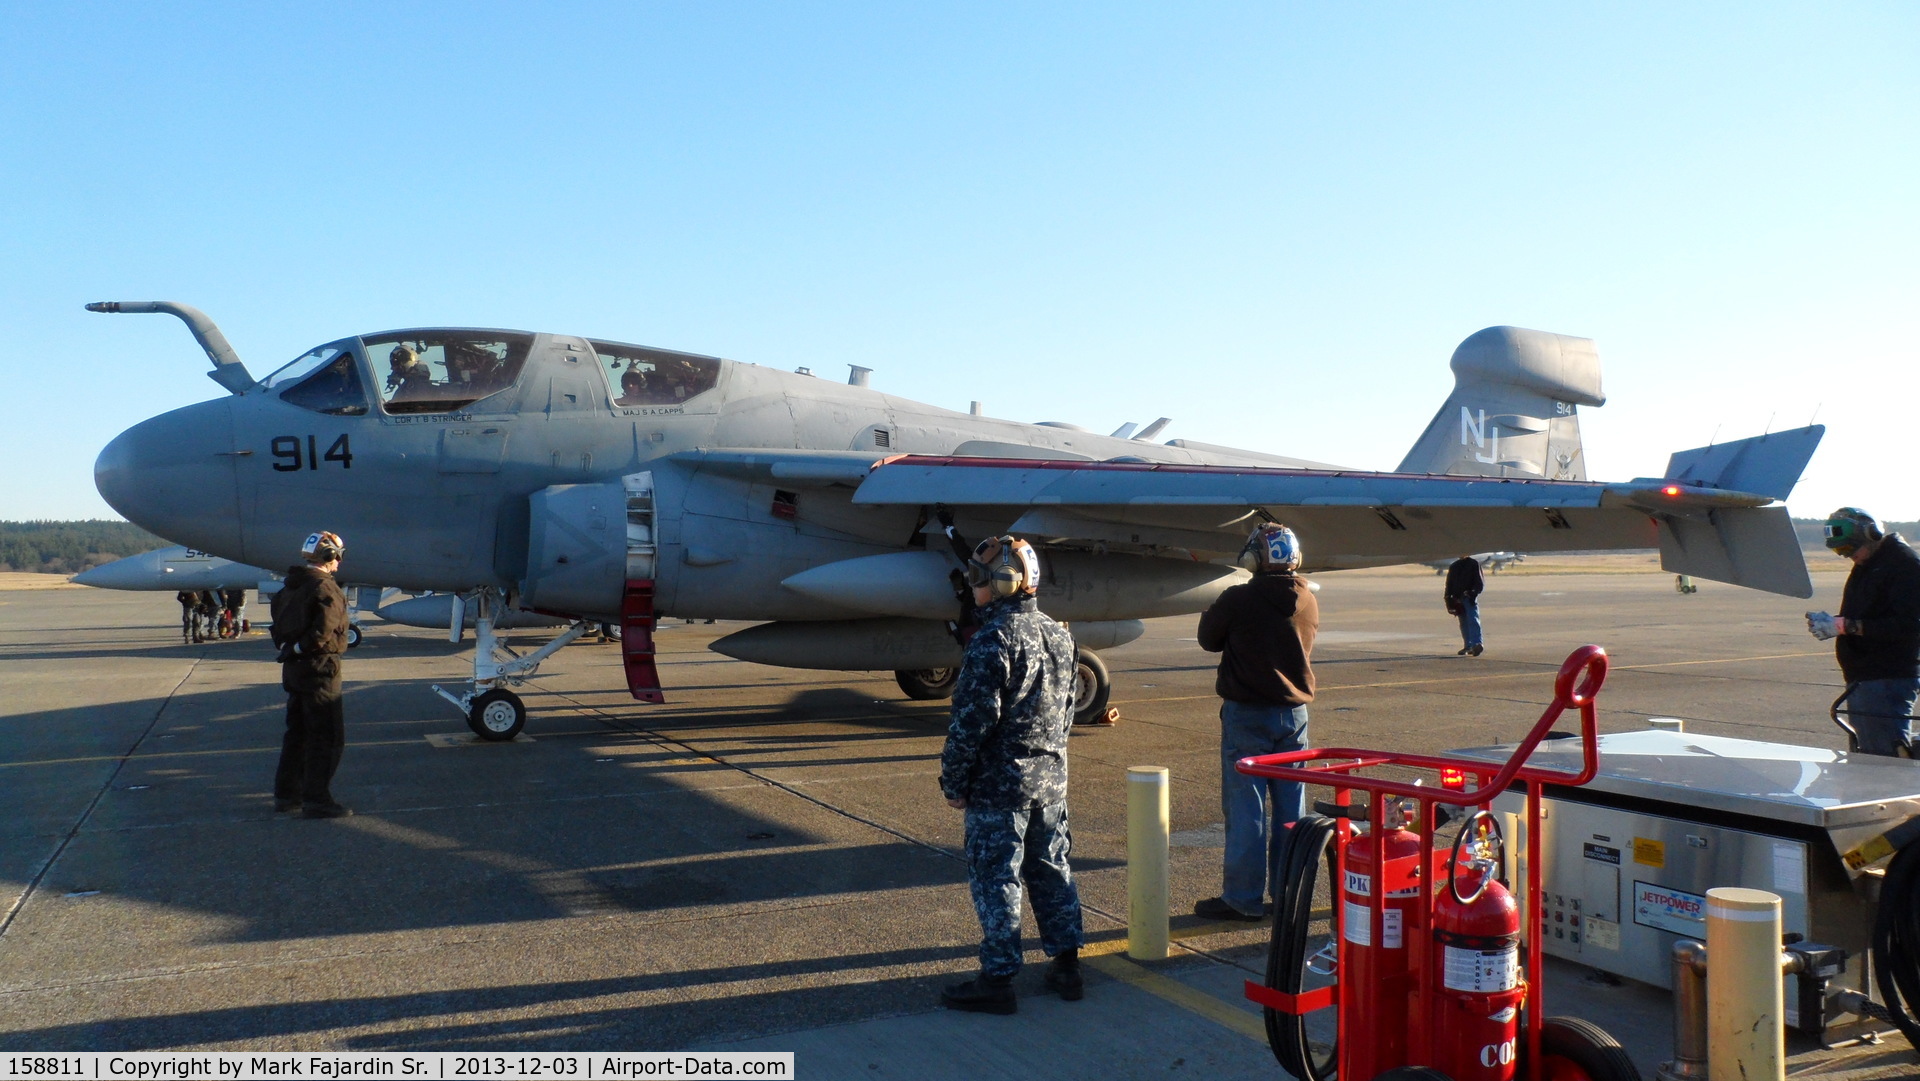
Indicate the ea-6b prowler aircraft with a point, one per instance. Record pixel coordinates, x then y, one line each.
607 482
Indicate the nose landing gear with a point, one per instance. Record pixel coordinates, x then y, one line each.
494 713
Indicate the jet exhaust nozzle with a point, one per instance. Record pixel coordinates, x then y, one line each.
227 369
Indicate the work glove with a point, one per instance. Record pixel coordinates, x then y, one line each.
944 515
1821 625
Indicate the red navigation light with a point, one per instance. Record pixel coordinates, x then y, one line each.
1671 489
1455 779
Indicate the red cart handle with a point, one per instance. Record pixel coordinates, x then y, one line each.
1589 659
1335 765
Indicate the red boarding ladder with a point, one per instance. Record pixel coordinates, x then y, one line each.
636 641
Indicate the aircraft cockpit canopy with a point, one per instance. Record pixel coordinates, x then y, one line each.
438 371
642 376
325 379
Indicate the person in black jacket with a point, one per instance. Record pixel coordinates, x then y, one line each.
1878 630
1463 600
1263 631
310 627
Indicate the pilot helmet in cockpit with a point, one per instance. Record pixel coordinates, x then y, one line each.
633 382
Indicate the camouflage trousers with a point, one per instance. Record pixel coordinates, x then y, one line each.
1003 849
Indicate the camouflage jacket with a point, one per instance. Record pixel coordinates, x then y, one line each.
1012 708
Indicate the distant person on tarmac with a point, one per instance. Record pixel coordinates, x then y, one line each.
1005 766
1877 631
1263 631
1463 600
234 602
310 627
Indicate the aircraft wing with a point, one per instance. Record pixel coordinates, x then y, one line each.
1354 519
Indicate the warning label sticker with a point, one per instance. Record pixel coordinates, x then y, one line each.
1483 971
1650 852
1357 926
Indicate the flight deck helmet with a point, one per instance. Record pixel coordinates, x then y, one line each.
1271 548
323 547
1004 566
1850 527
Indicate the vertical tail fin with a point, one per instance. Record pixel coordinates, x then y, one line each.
1514 410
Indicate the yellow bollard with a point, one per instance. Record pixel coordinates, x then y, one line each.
1746 1014
1148 838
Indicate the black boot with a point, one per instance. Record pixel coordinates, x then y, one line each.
1063 976
982 994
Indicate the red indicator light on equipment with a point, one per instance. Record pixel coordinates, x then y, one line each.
1671 489
1455 779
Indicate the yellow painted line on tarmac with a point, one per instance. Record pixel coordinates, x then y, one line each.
1728 660
1119 968
1532 674
1107 957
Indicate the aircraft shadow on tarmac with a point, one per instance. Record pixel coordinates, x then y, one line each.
659 1025
567 824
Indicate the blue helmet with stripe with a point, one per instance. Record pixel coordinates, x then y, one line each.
1271 547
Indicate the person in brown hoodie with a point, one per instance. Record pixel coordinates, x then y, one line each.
1263 631
310 627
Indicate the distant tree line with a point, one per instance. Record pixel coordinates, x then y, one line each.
70 547
1812 531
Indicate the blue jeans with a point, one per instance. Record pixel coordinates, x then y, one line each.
1881 711
1257 809
1470 622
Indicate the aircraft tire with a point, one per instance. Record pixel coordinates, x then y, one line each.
1091 686
1582 1051
353 635
497 716
927 684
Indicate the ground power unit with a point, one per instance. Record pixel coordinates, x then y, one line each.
1627 860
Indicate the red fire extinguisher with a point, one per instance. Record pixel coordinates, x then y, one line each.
1477 986
1377 1041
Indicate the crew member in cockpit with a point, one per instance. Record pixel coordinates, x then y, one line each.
633 385
407 378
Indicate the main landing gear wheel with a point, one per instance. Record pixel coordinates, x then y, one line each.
927 684
1576 1050
498 716
353 635
1091 687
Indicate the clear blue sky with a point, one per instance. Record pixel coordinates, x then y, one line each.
1270 222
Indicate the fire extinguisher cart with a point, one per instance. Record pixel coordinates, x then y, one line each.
1427 982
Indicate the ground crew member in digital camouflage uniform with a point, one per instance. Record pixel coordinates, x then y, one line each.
1005 765
1263 631
310 627
1877 631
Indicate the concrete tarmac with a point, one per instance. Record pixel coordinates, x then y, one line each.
763 862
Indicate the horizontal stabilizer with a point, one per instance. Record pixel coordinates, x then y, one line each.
1743 546
1768 465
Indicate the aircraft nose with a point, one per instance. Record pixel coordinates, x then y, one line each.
174 476
118 574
